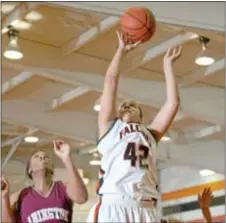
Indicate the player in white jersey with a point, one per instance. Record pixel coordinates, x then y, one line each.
128 183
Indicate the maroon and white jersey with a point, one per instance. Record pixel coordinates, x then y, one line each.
54 207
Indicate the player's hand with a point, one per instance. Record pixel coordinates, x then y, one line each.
4 187
205 198
61 149
172 54
124 44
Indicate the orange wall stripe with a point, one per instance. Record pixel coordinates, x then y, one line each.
215 219
186 192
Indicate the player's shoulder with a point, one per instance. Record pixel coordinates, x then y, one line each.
111 126
18 195
15 196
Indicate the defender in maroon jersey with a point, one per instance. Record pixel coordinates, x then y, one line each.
46 201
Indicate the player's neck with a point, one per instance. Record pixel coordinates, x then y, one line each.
43 183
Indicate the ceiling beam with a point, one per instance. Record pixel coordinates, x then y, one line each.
18 13
15 81
90 35
206 132
83 127
144 94
74 125
155 51
194 101
69 96
200 134
202 73
12 151
200 11
10 133
198 154
14 140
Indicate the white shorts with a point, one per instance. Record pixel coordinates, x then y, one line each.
114 208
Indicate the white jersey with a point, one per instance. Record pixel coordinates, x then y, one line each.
128 161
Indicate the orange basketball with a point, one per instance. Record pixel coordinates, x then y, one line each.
138 24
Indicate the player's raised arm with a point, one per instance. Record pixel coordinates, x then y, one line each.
108 99
164 118
8 204
205 199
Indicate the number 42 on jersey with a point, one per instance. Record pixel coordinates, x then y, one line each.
137 155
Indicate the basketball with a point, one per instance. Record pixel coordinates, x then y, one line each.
137 24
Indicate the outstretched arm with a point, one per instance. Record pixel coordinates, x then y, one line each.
205 200
8 203
164 118
108 100
7 210
75 188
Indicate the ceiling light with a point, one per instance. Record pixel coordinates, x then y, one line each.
95 162
204 61
85 180
33 16
13 54
165 138
31 139
12 51
5 30
96 107
206 172
7 7
14 22
22 25
96 154
204 58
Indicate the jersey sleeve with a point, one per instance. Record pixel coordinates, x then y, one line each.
103 143
153 137
110 127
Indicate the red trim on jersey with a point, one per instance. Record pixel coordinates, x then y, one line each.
96 212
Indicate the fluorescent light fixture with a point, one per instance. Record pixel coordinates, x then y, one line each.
31 139
206 172
96 107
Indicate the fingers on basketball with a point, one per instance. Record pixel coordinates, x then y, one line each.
119 34
137 43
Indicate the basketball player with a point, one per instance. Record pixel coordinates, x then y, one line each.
46 201
128 187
